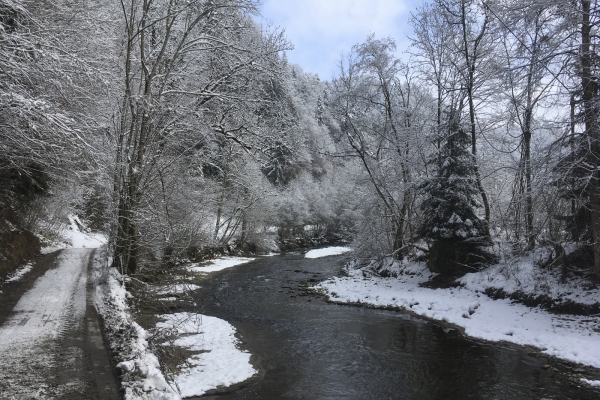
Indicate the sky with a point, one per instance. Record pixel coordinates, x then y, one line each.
322 30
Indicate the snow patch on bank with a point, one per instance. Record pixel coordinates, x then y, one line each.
218 361
19 273
219 264
573 338
327 251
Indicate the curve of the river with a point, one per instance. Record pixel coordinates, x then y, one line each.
310 349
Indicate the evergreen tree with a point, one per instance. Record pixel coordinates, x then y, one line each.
456 233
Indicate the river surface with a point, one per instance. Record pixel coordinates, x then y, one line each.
310 349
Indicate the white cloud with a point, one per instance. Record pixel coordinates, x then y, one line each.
322 30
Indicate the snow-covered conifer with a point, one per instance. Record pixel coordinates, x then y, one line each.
450 221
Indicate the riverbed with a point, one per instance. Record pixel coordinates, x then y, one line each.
306 348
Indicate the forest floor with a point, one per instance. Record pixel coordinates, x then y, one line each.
51 345
465 305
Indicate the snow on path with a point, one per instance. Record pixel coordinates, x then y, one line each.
40 318
327 251
572 338
73 237
218 361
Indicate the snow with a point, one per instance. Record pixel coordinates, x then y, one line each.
591 383
141 377
217 362
19 273
40 318
74 237
79 239
572 338
519 274
327 251
220 264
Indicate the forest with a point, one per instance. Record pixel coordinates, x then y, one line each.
179 129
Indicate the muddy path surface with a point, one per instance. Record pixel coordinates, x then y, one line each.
310 349
51 346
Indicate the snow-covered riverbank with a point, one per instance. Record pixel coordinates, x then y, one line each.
569 337
327 251
215 361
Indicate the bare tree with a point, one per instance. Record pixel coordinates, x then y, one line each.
589 72
471 23
530 66
376 105
186 65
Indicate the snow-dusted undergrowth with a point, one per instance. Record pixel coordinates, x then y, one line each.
176 288
327 251
573 338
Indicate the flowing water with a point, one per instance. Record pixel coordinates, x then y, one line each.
309 349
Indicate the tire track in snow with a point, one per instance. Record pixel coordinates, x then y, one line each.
30 339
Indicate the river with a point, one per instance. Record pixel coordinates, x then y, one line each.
306 348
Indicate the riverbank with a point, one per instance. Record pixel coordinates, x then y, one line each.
164 354
574 338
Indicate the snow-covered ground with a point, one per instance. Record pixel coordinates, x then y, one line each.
519 274
42 316
327 251
218 361
74 237
19 273
142 378
573 338
219 264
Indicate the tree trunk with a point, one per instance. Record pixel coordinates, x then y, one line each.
575 231
591 113
471 63
527 170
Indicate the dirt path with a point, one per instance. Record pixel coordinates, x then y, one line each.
51 346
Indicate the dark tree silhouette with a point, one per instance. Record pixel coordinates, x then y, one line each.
457 235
